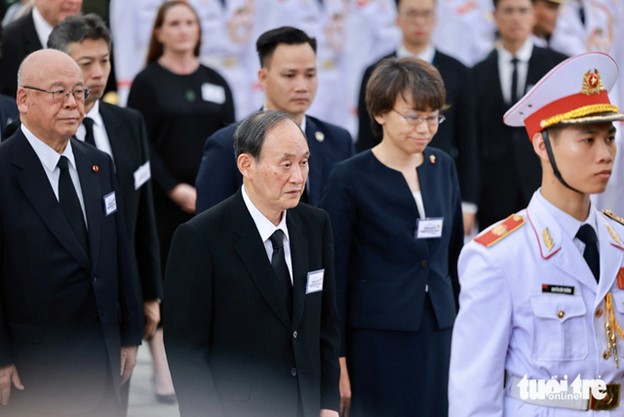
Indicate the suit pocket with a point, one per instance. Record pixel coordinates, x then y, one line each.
559 328
26 332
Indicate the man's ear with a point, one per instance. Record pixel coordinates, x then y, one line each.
244 163
21 100
539 146
262 77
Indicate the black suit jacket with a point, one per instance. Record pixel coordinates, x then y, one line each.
18 40
128 139
64 313
456 136
232 348
510 170
218 176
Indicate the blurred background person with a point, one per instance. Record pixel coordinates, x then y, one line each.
16 10
546 12
9 115
120 133
417 19
510 171
468 32
30 33
183 102
396 216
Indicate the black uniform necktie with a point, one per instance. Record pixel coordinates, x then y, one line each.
587 235
514 81
88 124
278 260
68 198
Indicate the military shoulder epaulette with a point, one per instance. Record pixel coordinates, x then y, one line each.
501 230
610 214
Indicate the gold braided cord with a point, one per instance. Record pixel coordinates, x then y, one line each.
611 315
580 112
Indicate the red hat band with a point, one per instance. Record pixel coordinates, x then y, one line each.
567 109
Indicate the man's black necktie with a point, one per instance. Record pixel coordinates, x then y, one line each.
68 198
278 260
587 235
88 124
514 81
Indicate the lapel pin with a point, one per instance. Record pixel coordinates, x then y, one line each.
320 136
432 159
95 168
548 241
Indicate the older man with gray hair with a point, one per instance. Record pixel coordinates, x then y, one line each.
255 273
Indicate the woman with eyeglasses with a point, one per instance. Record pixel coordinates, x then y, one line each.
183 102
397 221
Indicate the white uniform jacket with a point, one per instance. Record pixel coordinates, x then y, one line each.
509 321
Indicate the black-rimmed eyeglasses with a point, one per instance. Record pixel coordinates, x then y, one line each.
60 95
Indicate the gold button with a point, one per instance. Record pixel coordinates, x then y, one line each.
598 313
605 355
560 314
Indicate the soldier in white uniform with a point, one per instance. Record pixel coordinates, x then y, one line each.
542 296
466 30
597 26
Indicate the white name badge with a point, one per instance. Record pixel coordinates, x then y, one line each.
214 93
110 204
315 281
429 228
142 175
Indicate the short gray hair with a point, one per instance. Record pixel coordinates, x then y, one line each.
251 132
76 29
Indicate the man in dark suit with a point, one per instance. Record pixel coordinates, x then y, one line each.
510 172
417 19
8 114
70 318
251 327
120 133
288 78
28 34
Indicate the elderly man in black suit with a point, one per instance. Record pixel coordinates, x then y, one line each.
288 78
69 316
121 134
417 20
251 327
29 34
510 172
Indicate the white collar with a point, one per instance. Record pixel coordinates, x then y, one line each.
42 27
426 54
523 54
265 227
49 157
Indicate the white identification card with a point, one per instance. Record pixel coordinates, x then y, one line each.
214 93
315 281
142 175
110 203
429 228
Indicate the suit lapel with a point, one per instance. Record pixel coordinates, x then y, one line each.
553 244
495 75
36 186
252 254
111 124
92 196
429 190
316 160
299 256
